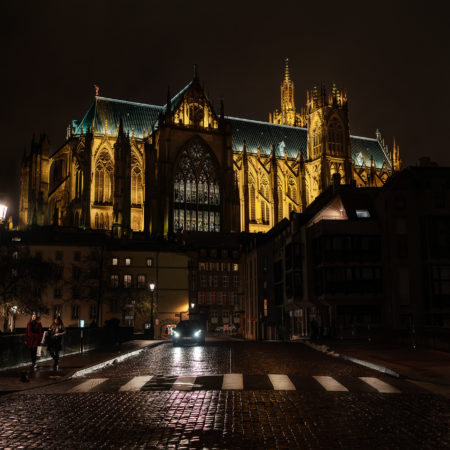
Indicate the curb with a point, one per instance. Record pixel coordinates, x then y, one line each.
86 370
361 362
115 360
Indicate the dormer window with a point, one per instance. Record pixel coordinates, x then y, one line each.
362 213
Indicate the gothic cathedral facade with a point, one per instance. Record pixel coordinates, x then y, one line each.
132 167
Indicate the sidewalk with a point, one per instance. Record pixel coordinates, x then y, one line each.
71 366
420 364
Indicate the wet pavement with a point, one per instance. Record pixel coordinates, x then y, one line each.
228 394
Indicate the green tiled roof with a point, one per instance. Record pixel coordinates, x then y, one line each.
138 115
144 117
265 134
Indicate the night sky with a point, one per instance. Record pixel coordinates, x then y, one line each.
393 58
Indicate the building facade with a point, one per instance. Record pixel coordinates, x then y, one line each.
100 278
356 260
132 167
215 295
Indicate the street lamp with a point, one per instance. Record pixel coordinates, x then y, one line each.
152 286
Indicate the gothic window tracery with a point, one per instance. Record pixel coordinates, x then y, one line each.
136 182
103 178
78 183
316 143
264 190
280 201
292 189
196 191
252 198
335 137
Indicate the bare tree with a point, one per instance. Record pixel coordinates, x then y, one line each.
23 279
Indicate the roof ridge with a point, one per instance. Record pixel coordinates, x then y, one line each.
128 102
265 123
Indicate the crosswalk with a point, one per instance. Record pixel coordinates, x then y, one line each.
239 381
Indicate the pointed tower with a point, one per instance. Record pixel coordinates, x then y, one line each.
288 114
328 139
396 161
122 184
34 183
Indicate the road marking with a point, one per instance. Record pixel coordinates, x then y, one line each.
330 384
183 384
380 386
281 382
88 385
135 383
436 389
233 381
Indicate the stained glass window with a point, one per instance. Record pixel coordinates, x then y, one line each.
103 178
264 190
136 181
196 191
252 199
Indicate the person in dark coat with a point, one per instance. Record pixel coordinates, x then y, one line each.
54 339
33 337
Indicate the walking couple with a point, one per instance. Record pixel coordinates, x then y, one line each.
34 336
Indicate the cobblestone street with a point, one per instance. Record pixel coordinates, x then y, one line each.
158 413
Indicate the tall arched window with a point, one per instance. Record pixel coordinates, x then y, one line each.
196 190
335 137
292 189
136 181
252 198
280 201
96 222
317 143
106 221
103 178
264 190
78 183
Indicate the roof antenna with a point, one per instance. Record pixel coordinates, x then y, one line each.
195 72
97 90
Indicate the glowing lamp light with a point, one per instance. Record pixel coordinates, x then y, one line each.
3 209
152 286
192 305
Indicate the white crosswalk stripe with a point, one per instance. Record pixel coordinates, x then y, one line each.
380 386
330 384
88 385
237 381
184 383
281 382
233 381
135 383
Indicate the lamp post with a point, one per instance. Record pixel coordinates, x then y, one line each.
152 286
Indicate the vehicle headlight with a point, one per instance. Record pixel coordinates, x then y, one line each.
197 333
176 334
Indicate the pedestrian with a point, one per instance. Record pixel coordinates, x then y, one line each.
54 339
33 337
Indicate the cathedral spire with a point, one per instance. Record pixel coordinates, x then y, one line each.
287 115
286 70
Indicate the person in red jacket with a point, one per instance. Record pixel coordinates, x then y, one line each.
33 337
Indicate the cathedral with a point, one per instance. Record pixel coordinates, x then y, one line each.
133 167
